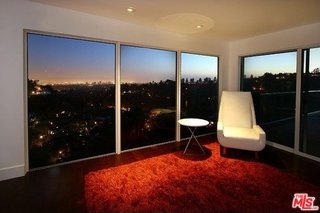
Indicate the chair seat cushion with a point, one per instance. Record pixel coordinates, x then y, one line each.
241 138
241 133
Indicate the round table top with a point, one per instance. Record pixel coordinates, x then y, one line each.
193 122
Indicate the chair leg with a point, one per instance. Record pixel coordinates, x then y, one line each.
223 150
256 155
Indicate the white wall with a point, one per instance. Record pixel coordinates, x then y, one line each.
300 37
16 15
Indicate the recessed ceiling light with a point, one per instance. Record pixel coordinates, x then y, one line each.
131 9
199 26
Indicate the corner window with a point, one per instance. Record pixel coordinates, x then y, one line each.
310 102
271 79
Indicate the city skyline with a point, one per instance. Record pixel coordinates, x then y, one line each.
184 80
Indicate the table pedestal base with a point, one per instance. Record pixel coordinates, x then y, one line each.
193 136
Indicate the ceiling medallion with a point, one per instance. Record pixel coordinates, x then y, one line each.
185 23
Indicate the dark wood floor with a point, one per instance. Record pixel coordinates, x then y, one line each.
61 188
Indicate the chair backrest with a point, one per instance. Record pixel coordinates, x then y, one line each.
237 109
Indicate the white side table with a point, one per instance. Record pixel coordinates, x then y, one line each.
193 122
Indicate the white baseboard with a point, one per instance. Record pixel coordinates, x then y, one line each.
11 172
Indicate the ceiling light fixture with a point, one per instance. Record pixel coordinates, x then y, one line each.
199 26
131 9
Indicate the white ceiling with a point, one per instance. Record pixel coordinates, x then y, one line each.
221 19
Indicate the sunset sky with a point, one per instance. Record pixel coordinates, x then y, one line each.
57 60
142 65
198 66
274 63
53 59
277 63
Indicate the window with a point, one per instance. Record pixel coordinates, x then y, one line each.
71 96
310 104
199 90
148 100
272 80
71 113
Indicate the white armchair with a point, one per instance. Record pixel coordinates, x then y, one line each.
237 126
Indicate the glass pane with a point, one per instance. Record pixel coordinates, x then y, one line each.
148 100
272 81
311 103
70 99
199 91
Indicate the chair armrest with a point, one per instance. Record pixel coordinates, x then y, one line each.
219 126
220 131
259 130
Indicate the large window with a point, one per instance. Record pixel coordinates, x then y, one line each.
148 100
71 113
272 80
72 88
310 104
199 90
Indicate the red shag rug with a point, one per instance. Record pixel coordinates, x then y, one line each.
194 183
